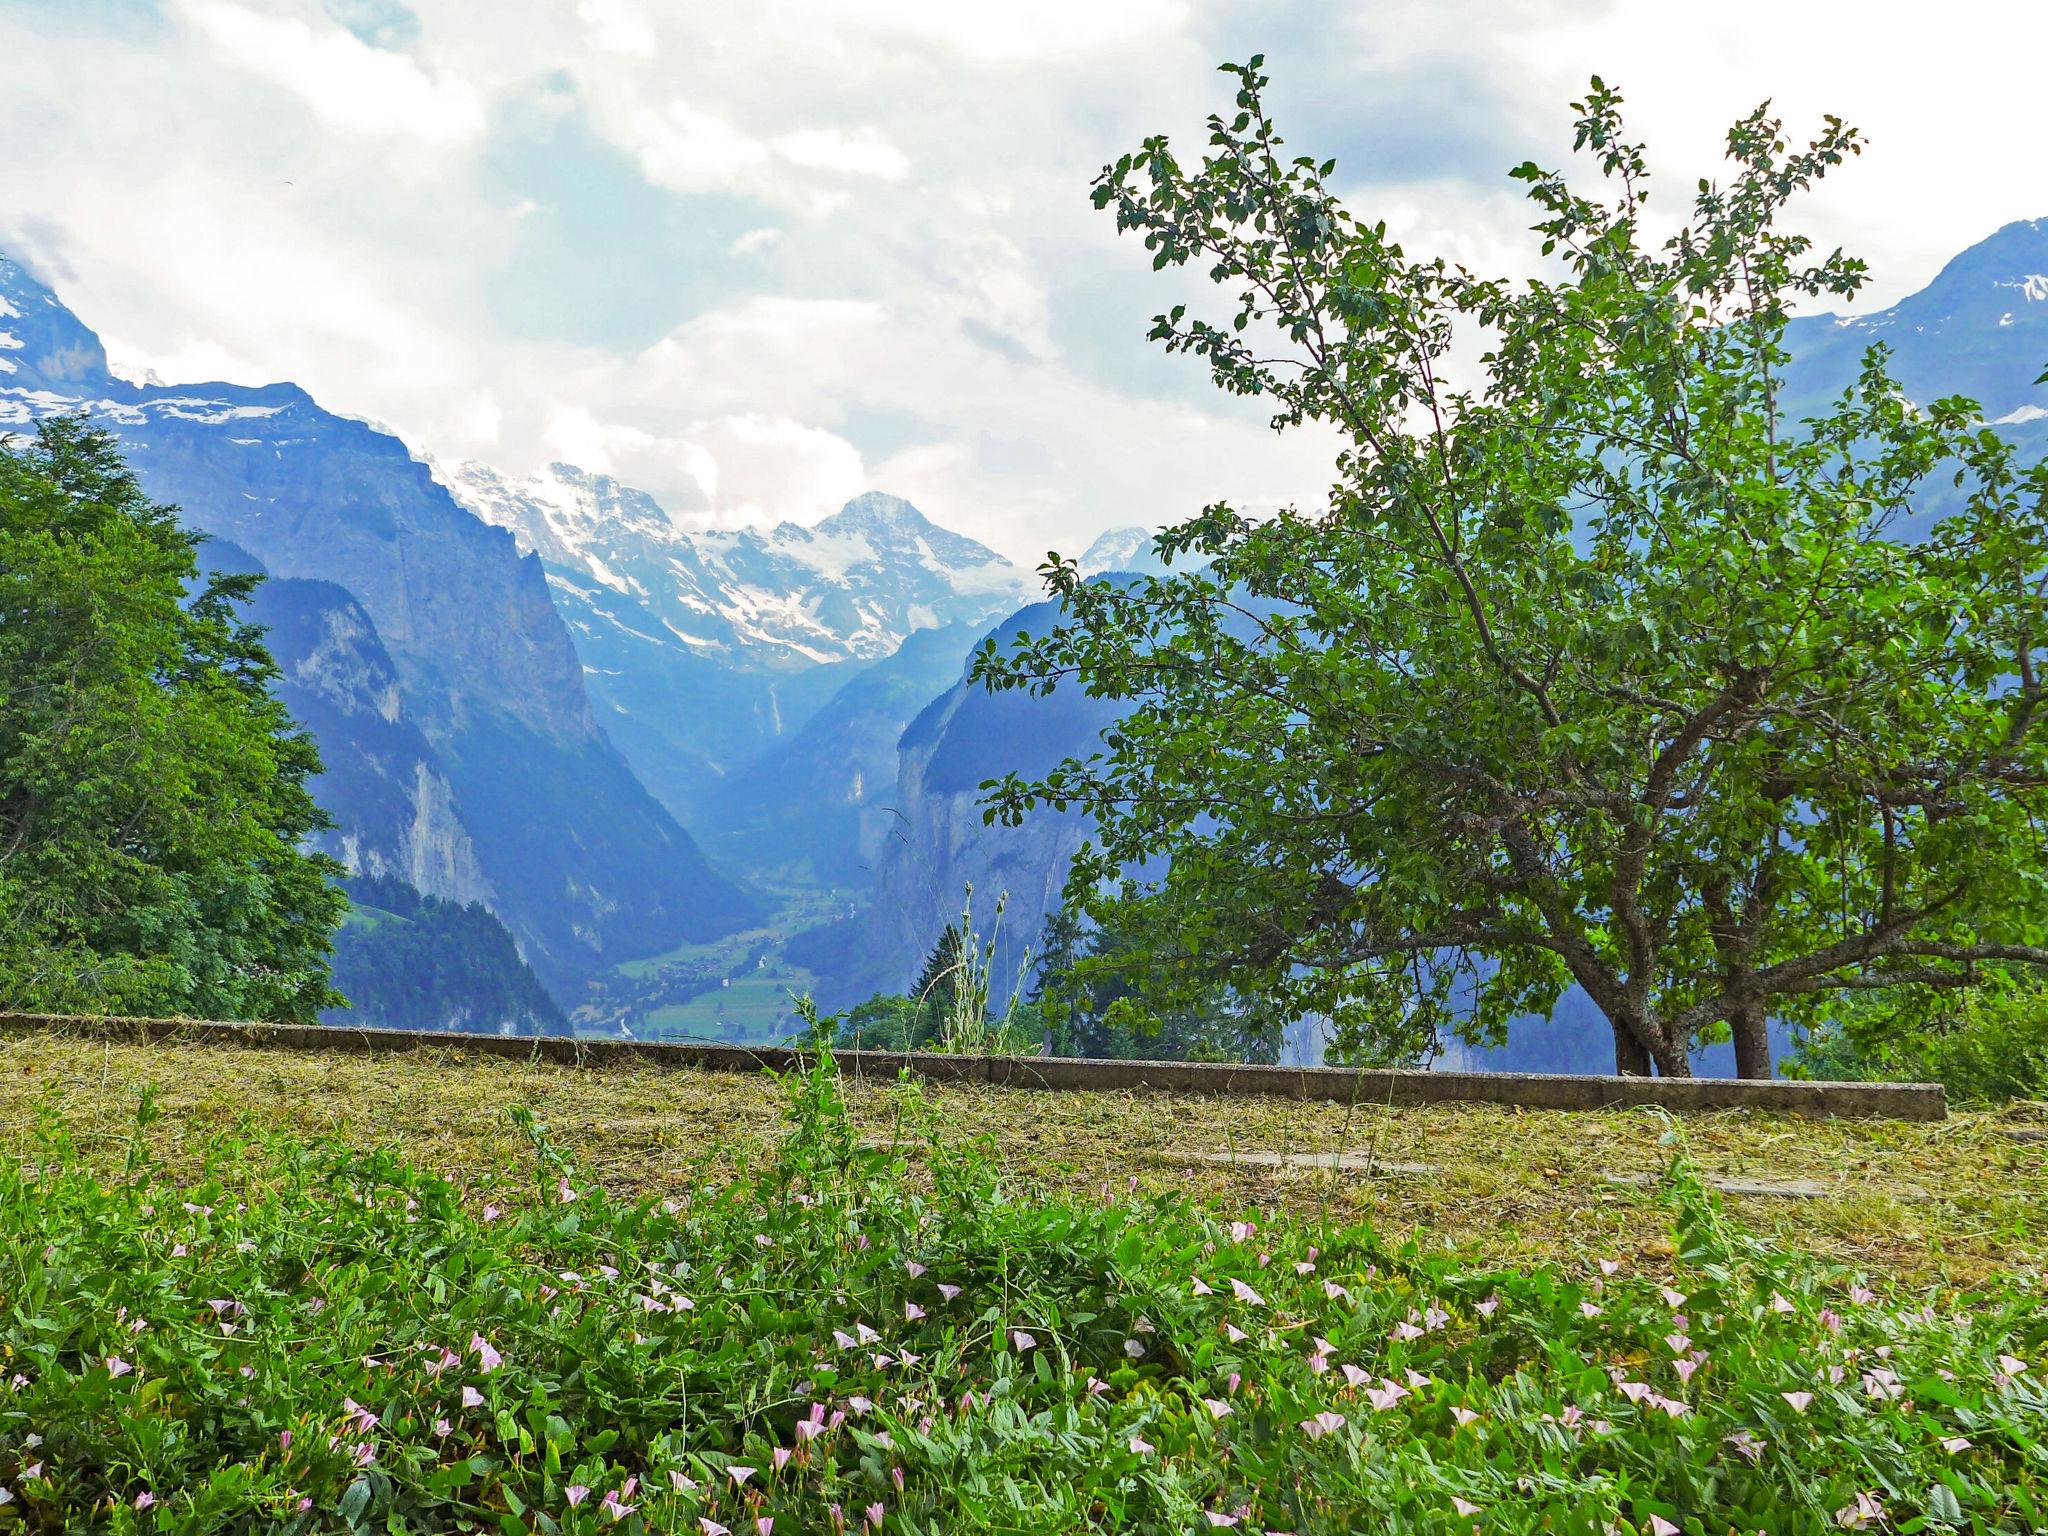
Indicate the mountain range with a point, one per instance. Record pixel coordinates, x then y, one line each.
706 648
526 689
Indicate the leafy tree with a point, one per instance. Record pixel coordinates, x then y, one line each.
1602 670
1089 993
885 1022
1985 1045
937 993
153 800
412 961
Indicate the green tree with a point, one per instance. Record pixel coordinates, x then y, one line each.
937 993
1985 1045
1090 995
885 1022
153 802
1603 670
413 961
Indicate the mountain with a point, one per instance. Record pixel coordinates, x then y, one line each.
471 674
818 806
1979 329
850 587
384 785
1123 549
703 649
935 844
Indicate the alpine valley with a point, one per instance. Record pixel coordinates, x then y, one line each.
524 691
617 772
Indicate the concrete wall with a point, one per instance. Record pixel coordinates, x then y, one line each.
1898 1101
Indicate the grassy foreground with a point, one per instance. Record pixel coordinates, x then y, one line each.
1954 1202
259 1333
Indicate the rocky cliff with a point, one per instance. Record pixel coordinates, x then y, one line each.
935 844
394 810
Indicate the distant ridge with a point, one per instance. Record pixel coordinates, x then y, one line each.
704 651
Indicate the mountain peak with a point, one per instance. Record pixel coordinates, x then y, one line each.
876 509
1122 549
2011 261
882 522
1980 329
41 340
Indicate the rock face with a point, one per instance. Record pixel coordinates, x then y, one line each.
395 811
935 843
818 806
705 650
580 862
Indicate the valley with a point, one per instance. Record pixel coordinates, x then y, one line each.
737 988
692 770
605 931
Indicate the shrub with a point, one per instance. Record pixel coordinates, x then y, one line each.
1985 1048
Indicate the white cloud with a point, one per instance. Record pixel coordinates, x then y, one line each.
1012 33
886 271
617 26
479 422
861 152
768 468
687 150
348 84
576 436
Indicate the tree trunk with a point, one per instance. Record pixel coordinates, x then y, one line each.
1752 1041
1630 1057
1677 1063
1673 1058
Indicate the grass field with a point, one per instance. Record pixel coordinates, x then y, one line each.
245 1291
748 1010
1953 1201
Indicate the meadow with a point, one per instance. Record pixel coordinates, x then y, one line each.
864 1320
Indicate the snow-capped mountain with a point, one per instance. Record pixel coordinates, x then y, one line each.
850 588
704 650
1122 549
1979 329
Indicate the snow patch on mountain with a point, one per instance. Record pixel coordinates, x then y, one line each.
1121 549
850 587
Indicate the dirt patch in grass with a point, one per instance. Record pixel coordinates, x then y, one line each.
1950 1202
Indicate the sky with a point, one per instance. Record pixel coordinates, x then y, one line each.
757 256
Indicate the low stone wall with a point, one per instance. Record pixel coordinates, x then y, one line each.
1523 1090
